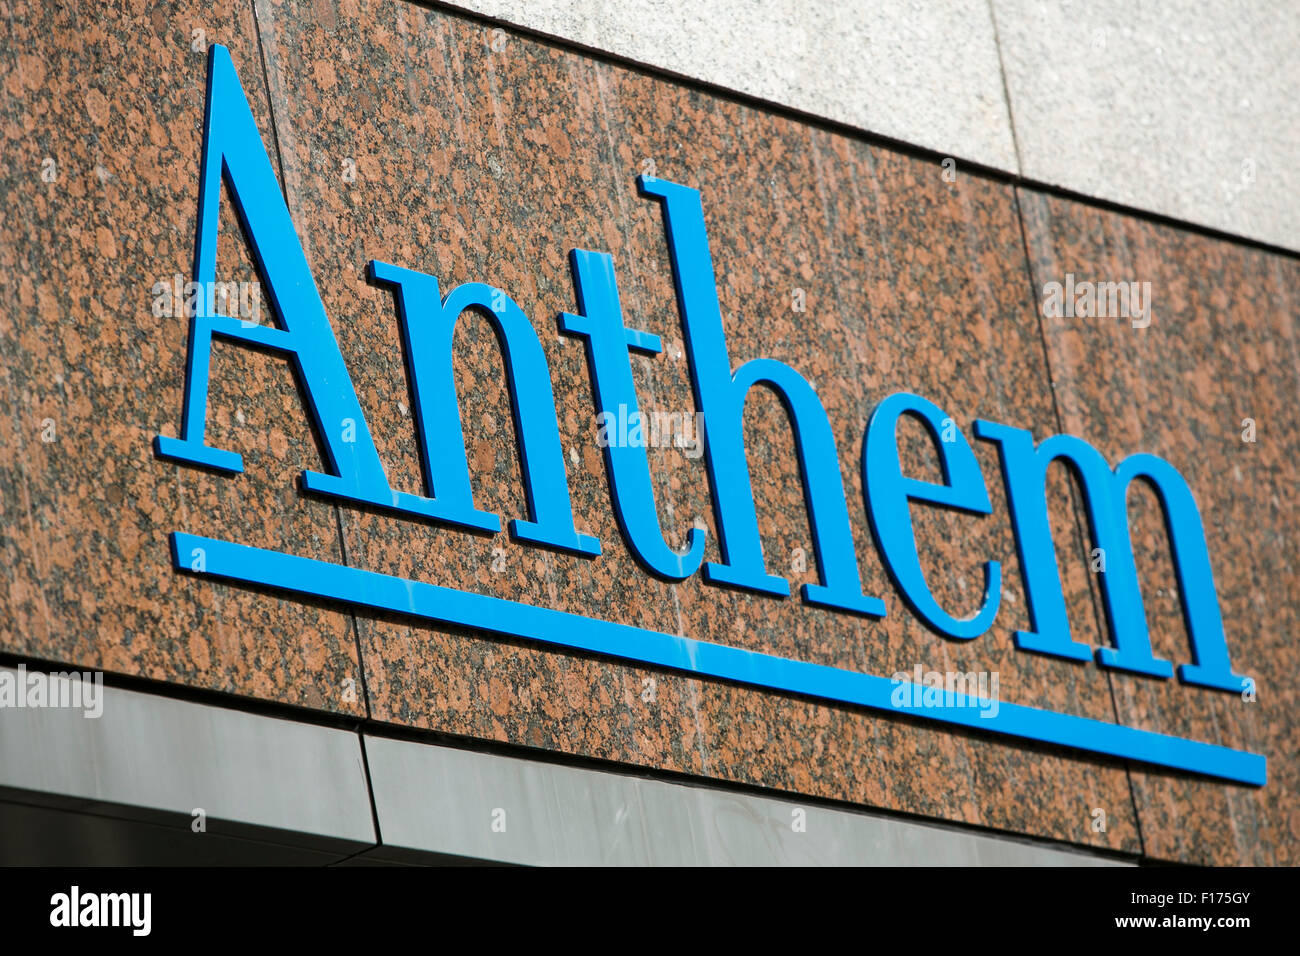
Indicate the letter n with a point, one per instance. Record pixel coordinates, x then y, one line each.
233 152
428 332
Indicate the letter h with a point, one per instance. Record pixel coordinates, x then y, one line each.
720 397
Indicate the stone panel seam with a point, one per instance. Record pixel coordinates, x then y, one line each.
1081 540
370 784
355 626
1006 93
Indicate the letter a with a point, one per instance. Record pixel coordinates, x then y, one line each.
233 151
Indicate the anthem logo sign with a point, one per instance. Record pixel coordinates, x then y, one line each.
353 474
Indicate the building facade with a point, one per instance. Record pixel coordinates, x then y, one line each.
543 433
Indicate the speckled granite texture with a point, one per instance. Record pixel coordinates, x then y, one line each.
116 102
486 157
1221 349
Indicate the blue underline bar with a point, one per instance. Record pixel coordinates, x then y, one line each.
430 602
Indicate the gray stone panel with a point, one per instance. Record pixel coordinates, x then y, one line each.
170 757
433 799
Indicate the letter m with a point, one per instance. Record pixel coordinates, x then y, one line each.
115 909
1105 493
233 152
